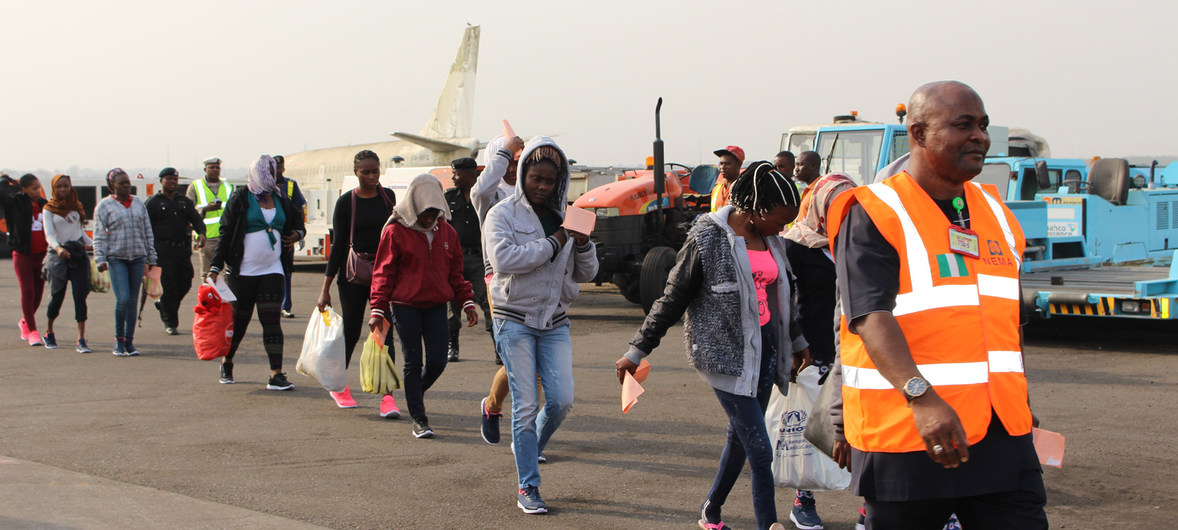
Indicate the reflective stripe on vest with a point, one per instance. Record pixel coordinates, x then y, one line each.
212 219
961 324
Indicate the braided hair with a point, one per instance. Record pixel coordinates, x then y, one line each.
761 188
366 154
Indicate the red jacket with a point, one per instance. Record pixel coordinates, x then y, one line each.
412 271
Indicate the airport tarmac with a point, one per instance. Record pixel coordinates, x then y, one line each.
98 441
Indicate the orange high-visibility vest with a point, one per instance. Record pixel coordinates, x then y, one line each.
959 315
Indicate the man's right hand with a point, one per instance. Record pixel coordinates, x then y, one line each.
940 427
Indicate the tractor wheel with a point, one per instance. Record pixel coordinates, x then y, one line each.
655 268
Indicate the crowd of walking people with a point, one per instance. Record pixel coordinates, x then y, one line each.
790 268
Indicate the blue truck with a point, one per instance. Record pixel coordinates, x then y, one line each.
1101 235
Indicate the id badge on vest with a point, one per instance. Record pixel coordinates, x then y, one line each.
964 241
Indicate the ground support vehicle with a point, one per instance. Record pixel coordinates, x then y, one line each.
642 222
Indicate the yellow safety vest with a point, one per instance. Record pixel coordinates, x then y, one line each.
213 218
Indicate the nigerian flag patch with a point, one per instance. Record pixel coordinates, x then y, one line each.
952 265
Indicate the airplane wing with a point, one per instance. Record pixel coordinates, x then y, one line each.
432 144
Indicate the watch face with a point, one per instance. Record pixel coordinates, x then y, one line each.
916 387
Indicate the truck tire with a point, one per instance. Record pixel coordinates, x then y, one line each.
656 266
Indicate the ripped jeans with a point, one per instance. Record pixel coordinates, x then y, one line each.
747 439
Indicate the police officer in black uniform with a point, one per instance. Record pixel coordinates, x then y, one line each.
465 220
173 218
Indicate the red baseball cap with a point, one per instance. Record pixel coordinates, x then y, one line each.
733 150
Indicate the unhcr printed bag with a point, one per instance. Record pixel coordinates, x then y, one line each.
796 463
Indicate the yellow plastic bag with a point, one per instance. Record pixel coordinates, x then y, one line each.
99 281
378 374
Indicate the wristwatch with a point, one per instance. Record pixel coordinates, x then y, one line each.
915 387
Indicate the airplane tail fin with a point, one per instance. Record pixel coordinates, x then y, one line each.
454 114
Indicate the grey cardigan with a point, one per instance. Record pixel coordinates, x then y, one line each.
713 283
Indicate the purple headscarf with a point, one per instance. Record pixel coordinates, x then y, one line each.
261 176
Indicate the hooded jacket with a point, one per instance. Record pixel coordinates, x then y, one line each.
18 212
535 278
713 283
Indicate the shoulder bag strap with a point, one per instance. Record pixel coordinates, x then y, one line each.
352 231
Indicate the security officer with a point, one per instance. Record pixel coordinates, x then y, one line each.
935 401
731 158
291 188
465 220
173 220
209 194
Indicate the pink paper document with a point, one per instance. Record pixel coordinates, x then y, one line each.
630 392
579 220
1049 445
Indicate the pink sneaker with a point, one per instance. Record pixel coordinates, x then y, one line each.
344 399
24 329
34 338
388 407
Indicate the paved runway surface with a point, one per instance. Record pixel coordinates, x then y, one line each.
97 441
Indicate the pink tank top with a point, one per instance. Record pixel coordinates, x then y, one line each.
764 274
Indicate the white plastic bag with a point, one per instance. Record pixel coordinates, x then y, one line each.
796 463
323 351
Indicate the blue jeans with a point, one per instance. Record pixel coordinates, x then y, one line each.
126 276
526 353
747 439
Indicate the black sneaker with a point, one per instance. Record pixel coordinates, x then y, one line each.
490 424
171 330
120 349
50 342
530 502
82 347
804 514
287 314
227 374
421 429
278 382
453 356
130 348
710 522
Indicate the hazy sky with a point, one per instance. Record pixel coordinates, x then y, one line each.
154 83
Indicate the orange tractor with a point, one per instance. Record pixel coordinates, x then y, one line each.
643 221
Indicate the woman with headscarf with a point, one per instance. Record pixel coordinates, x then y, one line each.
359 217
257 222
68 262
22 211
418 271
124 244
734 283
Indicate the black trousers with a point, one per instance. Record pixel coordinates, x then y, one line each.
415 326
79 281
266 293
816 298
1021 509
175 277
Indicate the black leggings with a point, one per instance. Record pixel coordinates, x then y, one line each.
266 292
353 300
79 280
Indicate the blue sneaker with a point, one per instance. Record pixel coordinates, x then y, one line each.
130 349
490 426
530 502
120 349
805 515
82 347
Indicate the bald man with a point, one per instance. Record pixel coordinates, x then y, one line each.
935 399
807 170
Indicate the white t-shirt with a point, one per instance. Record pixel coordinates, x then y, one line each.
258 259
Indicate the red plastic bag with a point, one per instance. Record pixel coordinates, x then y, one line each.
212 326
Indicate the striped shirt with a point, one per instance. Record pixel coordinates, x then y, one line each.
121 232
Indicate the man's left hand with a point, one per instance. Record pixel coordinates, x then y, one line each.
472 316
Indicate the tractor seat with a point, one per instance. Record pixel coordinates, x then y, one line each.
1109 178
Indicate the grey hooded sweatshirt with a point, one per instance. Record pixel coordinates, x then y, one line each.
535 278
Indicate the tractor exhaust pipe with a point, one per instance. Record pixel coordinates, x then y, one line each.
659 176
